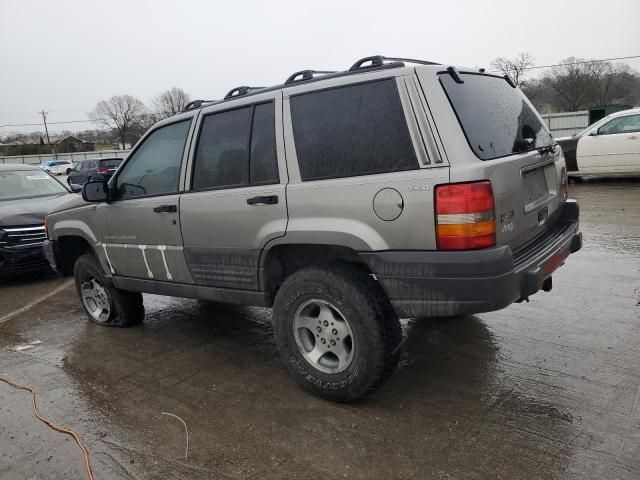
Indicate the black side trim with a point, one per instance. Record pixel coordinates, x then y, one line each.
226 295
223 267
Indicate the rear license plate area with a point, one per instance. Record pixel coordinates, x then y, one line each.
534 188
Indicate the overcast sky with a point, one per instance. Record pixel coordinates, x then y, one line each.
65 56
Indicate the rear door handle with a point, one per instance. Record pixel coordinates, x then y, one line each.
266 200
166 209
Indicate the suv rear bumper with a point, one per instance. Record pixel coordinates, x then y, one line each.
438 283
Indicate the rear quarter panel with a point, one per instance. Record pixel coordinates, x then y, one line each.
340 211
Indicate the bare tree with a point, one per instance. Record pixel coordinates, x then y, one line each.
608 80
170 102
121 113
514 67
572 83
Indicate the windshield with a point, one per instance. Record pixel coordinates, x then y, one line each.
497 119
17 184
596 125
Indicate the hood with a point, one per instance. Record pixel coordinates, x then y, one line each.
31 211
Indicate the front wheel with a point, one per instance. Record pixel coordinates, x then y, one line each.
336 331
105 304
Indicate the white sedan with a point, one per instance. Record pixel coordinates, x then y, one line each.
57 167
610 146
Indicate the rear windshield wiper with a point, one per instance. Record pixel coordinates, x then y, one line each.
546 149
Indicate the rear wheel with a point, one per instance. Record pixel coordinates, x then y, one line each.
336 331
103 303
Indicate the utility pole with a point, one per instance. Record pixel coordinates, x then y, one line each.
44 120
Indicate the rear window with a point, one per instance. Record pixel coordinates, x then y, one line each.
110 163
352 130
496 118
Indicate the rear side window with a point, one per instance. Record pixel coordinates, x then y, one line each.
352 130
237 148
496 118
264 166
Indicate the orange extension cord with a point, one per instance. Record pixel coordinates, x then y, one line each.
48 422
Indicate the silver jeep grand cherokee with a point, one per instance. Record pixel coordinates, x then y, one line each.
344 200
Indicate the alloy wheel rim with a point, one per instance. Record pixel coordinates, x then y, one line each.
96 300
323 336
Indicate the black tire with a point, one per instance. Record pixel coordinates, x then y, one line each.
375 327
124 308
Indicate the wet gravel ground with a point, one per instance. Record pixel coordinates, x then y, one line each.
546 389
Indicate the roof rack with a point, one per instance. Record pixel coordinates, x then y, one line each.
239 91
378 61
196 104
305 75
375 62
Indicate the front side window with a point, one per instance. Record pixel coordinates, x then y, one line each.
352 130
626 124
236 148
154 168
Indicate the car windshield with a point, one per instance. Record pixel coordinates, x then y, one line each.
584 131
497 119
17 184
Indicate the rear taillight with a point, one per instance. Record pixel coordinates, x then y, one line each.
102 171
564 183
465 216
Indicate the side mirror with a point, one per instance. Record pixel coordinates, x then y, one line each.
75 188
97 191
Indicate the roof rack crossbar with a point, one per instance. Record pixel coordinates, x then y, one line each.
196 104
240 91
303 75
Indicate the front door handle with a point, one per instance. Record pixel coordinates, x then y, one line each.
266 200
166 209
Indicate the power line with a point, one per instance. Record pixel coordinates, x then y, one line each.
48 123
575 63
582 62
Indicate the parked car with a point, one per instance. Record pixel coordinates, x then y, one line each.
57 167
344 201
26 195
97 169
610 146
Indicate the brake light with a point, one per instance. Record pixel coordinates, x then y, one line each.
102 171
465 216
564 183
